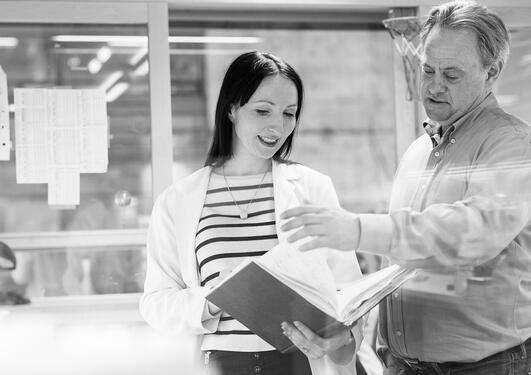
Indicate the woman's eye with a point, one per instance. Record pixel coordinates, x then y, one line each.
288 114
262 112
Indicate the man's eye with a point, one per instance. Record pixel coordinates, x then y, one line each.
427 71
451 78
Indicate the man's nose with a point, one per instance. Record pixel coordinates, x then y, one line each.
436 86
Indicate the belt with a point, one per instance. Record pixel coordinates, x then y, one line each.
516 352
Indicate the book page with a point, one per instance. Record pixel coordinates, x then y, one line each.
5 140
307 273
370 290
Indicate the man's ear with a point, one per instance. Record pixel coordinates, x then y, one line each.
494 72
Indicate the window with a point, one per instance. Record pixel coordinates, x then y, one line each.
347 124
61 251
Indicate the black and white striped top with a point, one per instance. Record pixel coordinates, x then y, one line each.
223 240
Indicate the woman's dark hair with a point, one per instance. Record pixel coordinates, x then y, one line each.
242 79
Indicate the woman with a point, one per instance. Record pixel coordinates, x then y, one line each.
206 224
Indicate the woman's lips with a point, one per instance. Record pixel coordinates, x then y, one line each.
268 141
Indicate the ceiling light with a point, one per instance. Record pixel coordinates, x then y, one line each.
142 69
104 53
94 66
115 91
141 40
214 39
8 42
111 80
139 55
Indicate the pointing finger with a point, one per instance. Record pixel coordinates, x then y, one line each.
298 211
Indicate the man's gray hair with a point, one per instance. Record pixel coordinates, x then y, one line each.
493 37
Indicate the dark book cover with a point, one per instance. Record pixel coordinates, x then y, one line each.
261 302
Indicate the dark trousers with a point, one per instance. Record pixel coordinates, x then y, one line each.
256 363
513 361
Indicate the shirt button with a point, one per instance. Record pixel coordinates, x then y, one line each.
398 333
256 356
452 140
257 369
395 295
437 154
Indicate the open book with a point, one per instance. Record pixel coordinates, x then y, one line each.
287 285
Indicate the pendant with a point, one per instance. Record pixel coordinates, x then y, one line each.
243 215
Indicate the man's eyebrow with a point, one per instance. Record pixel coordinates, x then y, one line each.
446 69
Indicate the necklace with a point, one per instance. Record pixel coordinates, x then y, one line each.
243 212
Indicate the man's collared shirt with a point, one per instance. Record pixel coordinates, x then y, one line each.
459 211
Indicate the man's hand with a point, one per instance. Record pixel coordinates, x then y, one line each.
339 346
333 228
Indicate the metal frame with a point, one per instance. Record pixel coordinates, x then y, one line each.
74 239
160 97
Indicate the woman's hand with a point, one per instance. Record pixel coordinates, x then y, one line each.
340 346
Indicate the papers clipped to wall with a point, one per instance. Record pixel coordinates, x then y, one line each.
59 134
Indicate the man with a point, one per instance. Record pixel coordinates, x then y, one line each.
459 212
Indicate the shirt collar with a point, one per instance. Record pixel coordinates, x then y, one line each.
435 130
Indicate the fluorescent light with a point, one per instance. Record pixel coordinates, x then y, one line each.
139 55
91 51
94 66
111 80
100 38
210 51
104 54
8 42
142 69
115 91
141 40
214 39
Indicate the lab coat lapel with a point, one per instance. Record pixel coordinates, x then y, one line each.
285 188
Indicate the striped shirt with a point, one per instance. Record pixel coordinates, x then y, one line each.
223 240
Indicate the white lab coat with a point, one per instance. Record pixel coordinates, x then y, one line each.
173 300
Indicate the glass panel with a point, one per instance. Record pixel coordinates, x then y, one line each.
348 114
512 88
77 271
111 57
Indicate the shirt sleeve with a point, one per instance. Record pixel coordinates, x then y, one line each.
167 303
472 230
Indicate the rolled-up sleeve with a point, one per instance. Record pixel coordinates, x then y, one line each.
471 230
